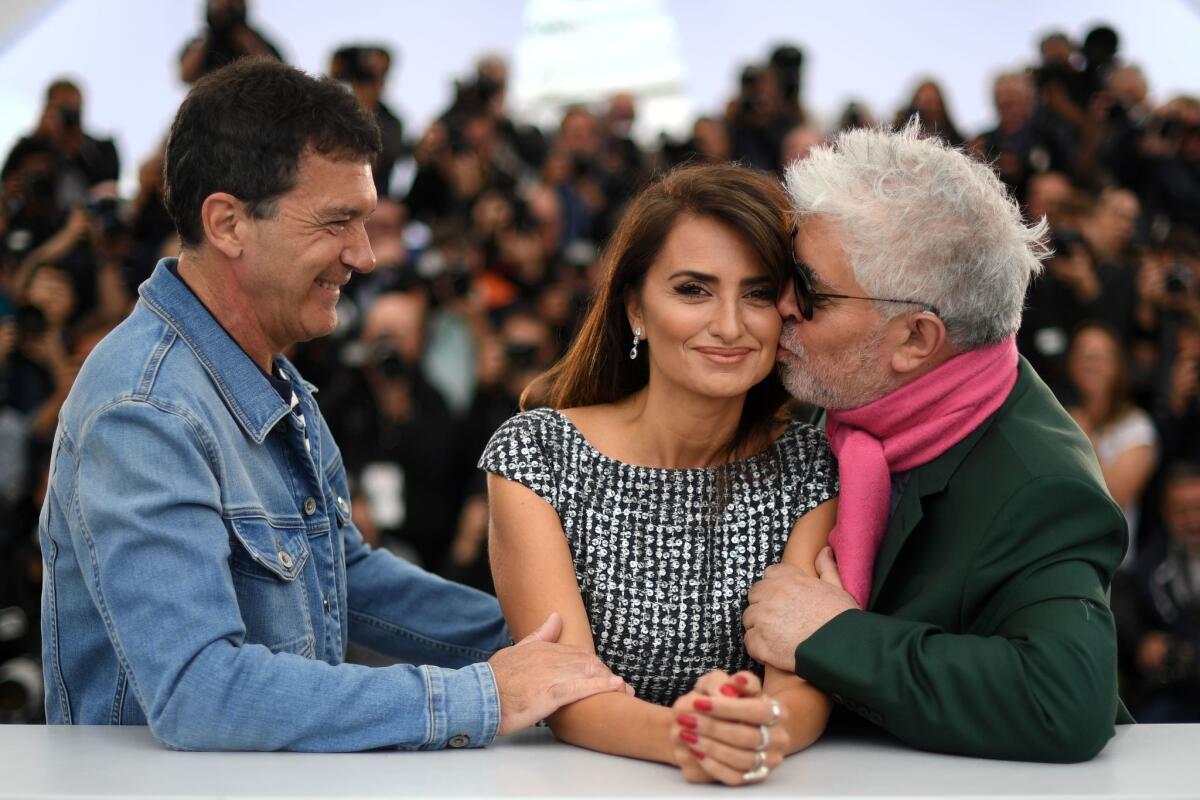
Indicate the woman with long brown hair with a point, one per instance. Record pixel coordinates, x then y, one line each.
664 479
1123 435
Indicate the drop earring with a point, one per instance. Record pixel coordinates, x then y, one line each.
637 335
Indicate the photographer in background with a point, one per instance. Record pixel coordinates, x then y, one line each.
38 368
1087 277
766 108
78 161
1063 87
365 68
509 361
1170 150
1158 611
95 247
1026 139
226 38
29 212
398 437
1178 410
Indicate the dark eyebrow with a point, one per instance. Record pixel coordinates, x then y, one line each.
697 276
755 280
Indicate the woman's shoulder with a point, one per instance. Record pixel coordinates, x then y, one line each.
1135 428
803 441
534 420
527 449
809 468
537 426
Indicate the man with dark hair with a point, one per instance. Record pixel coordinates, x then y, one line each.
202 571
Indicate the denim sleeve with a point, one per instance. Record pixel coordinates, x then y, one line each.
147 527
402 611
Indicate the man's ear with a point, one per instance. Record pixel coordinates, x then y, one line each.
223 216
925 343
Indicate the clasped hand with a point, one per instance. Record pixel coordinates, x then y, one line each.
725 728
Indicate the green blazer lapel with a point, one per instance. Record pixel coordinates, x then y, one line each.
925 481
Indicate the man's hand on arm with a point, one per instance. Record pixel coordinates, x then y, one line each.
787 606
537 676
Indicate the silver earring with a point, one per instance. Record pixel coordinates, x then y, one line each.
637 335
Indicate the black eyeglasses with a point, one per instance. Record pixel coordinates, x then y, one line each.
802 278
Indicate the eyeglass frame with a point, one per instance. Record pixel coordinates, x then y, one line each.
802 281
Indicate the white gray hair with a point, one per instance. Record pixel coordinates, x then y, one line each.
921 220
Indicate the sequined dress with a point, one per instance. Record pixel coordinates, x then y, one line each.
664 567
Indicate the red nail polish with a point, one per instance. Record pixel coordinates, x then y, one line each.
729 691
689 736
703 704
741 680
687 720
696 754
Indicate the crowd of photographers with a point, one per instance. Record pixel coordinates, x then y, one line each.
486 238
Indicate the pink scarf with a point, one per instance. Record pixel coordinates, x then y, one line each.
902 430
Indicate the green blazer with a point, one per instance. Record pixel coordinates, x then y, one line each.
988 631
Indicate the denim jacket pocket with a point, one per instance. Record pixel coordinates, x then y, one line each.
267 564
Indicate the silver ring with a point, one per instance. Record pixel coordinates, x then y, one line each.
765 738
760 771
776 713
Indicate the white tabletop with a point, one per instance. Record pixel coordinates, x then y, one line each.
1150 761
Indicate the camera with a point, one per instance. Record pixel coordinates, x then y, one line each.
69 117
521 356
225 20
360 64
389 362
41 185
31 322
107 212
460 282
1179 278
1064 240
581 166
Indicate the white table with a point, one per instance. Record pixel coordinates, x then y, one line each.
1151 761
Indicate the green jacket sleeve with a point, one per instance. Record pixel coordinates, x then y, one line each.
1029 672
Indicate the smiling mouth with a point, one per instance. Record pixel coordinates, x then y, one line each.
329 286
724 354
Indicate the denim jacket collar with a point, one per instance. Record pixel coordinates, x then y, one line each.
252 400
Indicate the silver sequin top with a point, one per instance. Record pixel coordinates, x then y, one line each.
663 570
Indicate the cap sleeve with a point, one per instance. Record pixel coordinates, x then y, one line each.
520 450
810 469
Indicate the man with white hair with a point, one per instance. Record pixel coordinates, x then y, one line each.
975 538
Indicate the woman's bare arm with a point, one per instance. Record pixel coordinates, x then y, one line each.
532 569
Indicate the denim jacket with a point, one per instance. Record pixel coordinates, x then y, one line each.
203 575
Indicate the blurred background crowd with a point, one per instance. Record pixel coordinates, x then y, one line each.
487 235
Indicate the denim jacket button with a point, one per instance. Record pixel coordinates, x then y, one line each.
461 740
326 603
341 504
310 506
285 559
